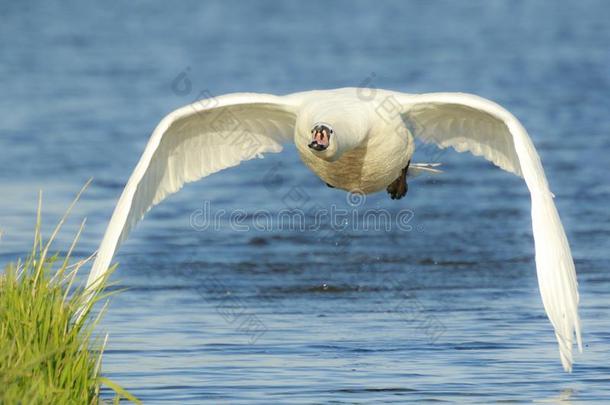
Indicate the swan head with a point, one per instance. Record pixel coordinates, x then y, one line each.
328 133
321 134
323 141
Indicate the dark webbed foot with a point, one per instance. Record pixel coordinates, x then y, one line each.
330 185
398 188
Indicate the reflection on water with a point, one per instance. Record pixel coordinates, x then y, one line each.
445 310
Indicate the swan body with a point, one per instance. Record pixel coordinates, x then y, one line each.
386 147
356 140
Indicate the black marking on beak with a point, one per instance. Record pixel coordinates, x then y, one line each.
316 146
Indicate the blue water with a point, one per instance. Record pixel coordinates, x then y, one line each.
447 310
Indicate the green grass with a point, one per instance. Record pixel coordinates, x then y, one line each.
48 354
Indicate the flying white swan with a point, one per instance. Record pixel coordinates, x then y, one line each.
353 139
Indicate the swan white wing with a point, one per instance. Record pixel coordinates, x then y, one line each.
193 142
482 127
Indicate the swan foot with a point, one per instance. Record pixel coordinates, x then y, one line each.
398 188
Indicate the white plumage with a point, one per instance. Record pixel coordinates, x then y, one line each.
372 142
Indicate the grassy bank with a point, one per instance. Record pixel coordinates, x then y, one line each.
47 353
